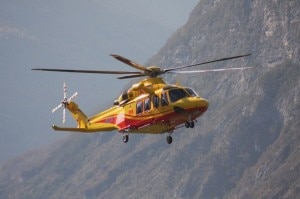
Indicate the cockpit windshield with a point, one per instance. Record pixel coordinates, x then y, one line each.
177 94
191 92
124 96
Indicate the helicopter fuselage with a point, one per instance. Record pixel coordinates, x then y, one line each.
159 111
151 107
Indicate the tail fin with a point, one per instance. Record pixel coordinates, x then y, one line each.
77 114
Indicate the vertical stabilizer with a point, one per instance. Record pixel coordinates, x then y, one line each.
77 114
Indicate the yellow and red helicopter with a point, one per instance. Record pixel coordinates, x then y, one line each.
150 106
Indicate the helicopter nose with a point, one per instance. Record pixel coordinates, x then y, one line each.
203 103
193 104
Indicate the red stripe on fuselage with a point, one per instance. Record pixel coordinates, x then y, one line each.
168 117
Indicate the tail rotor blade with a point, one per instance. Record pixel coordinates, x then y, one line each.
64 116
56 108
65 90
65 102
73 96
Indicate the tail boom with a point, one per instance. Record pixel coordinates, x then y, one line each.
83 124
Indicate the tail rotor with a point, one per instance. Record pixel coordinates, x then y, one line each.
65 102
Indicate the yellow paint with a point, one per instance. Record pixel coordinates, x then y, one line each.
124 118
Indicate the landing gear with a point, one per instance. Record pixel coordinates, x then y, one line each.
125 138
190 124
169 139
187 125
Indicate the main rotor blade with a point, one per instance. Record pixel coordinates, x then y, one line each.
85 71
207 62
130 63
209 70
131 76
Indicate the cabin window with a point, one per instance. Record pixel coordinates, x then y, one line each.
164 99
177 94
139 107
155 101
147 104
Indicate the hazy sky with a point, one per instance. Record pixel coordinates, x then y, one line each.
71 34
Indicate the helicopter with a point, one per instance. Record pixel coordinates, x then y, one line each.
150 106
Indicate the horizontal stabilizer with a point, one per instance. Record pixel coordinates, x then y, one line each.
83 130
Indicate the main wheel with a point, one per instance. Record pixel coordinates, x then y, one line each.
169 139
125 138
192 124
187 125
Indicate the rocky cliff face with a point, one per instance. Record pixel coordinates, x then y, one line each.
245 146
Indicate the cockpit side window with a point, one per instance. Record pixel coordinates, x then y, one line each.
124 96
191 92
164 99
177 94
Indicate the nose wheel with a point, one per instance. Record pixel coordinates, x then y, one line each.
190 124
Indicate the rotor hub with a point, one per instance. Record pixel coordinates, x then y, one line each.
154 71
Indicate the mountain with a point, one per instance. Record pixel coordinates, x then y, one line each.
245 146
70 34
